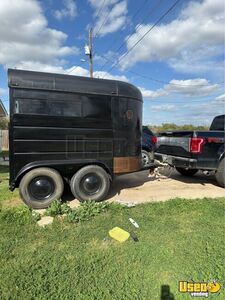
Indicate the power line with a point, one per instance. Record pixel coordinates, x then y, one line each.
121 32
100 9
133 17
107 15
141 25
150 78
169 82
138 26
103 23
158 80
73 69
98 13
146 33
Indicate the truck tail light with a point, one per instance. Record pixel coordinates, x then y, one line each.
196 145
154 139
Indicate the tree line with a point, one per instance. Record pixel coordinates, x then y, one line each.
174 127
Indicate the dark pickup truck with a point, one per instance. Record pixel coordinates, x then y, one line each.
190 151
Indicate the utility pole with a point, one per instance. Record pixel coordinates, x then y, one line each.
90 53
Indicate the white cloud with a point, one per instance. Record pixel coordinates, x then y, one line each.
3 92
201 61
108 57
26 37
153 94
220 98
198 87
111 15
97 74
163 108
74 70
41 67
69 10
106 75
201 110
199 27
191 87
77 70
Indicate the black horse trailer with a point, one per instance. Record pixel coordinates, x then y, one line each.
71 129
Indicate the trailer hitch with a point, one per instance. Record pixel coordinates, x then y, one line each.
161 170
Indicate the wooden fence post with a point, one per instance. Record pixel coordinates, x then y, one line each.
5 140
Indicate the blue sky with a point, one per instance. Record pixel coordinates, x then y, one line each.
178 65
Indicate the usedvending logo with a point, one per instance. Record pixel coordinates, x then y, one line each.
199 289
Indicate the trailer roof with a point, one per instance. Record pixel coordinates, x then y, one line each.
70 83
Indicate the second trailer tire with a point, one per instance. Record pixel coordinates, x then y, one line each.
91 183
220 174
187 172
145 158
40 187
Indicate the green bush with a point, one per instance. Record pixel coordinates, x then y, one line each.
87 210
57 208
54 209
23 215
36 216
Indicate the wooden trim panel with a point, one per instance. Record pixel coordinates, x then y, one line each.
126 164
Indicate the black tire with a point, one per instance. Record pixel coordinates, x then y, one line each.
145 158
91 183
187 172
36 196
220 174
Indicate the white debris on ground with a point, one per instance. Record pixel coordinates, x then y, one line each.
40 211
126 203
46 220
74 204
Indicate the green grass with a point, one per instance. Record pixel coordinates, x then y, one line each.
7 198
178 240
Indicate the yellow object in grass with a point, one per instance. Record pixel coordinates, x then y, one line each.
119 234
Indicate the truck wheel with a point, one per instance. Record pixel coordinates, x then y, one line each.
220 174
40 187
145 158
90 183
187 172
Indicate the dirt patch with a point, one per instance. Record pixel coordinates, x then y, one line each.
138 187
11 203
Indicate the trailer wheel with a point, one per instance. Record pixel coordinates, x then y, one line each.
90 183
220 174
40 187
187 172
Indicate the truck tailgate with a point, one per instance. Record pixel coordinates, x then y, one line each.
175 143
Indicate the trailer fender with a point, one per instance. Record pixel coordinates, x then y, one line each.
58 165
